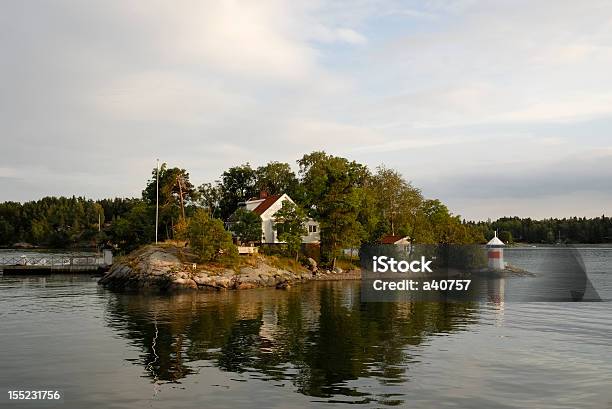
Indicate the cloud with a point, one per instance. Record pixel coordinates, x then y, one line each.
93 92
166 96
8 172
331 35
574 179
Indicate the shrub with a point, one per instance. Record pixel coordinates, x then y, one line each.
209 239
247 226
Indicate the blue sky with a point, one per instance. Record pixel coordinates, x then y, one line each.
497 108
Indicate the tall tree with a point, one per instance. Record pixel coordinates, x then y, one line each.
175 193
290 221
237 185
396 200
277 178
135 228
209 197
334 189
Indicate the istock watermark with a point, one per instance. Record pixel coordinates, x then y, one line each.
385 264
449 273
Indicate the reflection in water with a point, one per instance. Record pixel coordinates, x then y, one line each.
316 336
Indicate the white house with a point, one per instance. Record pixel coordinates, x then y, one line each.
266 207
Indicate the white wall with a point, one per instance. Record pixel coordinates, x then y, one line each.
312 237
267 224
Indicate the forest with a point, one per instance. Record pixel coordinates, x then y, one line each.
353 203
571 230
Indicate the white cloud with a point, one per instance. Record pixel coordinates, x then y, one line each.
8 172
330 35
167 96
436 89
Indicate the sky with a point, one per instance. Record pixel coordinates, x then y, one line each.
497 108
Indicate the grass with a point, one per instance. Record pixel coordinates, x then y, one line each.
285 263
187 258
347 264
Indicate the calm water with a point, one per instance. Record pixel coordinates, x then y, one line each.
314 345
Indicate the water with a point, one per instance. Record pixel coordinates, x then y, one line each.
311 346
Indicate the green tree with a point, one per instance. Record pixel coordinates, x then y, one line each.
237 185
246 225
435 224
40 230
134 228
175 193
209 197
290 221
397 201
334 189
209 240
277 178
506 237
7 232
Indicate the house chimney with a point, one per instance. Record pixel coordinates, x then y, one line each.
263 194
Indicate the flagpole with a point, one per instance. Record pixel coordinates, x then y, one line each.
157 201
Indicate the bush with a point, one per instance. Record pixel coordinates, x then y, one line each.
209 239
181 229
247 226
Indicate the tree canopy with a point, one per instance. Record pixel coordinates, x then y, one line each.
352 204
237 185
276 178
176 194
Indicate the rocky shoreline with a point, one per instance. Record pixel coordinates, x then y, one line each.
169 268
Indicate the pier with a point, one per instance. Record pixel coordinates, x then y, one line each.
50 263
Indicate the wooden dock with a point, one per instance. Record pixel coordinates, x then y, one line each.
47 264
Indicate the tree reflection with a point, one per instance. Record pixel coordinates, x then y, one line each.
318 336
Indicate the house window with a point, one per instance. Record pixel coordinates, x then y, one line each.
312 229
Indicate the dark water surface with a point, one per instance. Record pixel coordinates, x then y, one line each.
311 346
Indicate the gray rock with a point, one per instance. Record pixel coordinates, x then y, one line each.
202 279
159 267
222 282
184 282
285 285
312 264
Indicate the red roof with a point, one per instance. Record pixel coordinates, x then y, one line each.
268 201
390 239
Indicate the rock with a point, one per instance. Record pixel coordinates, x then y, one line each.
222 282
184 282
267 281
167 268
202 279
338 270
285 285
312 264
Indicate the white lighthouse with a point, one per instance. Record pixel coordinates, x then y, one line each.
495 253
